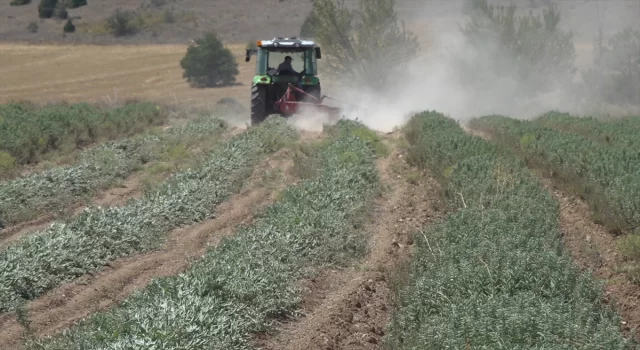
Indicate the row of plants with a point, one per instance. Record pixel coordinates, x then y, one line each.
493 274
67 250
29 131
607 177
97 168
240 286
621 132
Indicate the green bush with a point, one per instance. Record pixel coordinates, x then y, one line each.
20 2
69 27
208 63
32 27
122 23
72 4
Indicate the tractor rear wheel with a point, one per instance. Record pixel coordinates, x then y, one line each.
258 104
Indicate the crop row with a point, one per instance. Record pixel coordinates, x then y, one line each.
28 131
26 197
86 243
238 287
622 132
607 177
493 274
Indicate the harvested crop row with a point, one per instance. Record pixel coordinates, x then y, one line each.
27 197
28 131
622 132
494 274
65 251
238 286
607 177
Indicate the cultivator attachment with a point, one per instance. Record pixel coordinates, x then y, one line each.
296 101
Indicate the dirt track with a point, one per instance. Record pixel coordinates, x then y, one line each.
350 308
69 303
594 249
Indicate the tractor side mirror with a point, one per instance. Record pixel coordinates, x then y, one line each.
248 58
318 53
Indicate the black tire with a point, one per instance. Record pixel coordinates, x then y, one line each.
258 104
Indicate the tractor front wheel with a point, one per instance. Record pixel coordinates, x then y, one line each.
258 104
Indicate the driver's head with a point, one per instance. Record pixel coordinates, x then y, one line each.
288 59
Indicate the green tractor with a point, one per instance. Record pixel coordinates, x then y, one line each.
283 92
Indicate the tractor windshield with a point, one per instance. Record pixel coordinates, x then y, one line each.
271 59
275 58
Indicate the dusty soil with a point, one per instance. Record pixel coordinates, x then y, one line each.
350 308
69 303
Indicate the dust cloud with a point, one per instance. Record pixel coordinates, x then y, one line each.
435 81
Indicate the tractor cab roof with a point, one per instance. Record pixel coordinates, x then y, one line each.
285 44
292 44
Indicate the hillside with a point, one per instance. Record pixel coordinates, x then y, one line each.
179 21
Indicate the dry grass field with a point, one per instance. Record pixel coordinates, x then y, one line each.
48 73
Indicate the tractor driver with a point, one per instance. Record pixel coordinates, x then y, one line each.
286 66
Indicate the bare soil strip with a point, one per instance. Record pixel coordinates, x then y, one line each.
593 249
350 308
69 303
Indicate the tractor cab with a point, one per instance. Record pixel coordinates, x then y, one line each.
271 53
269 86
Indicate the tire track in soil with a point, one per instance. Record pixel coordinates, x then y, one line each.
350 308
592 249
65 305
